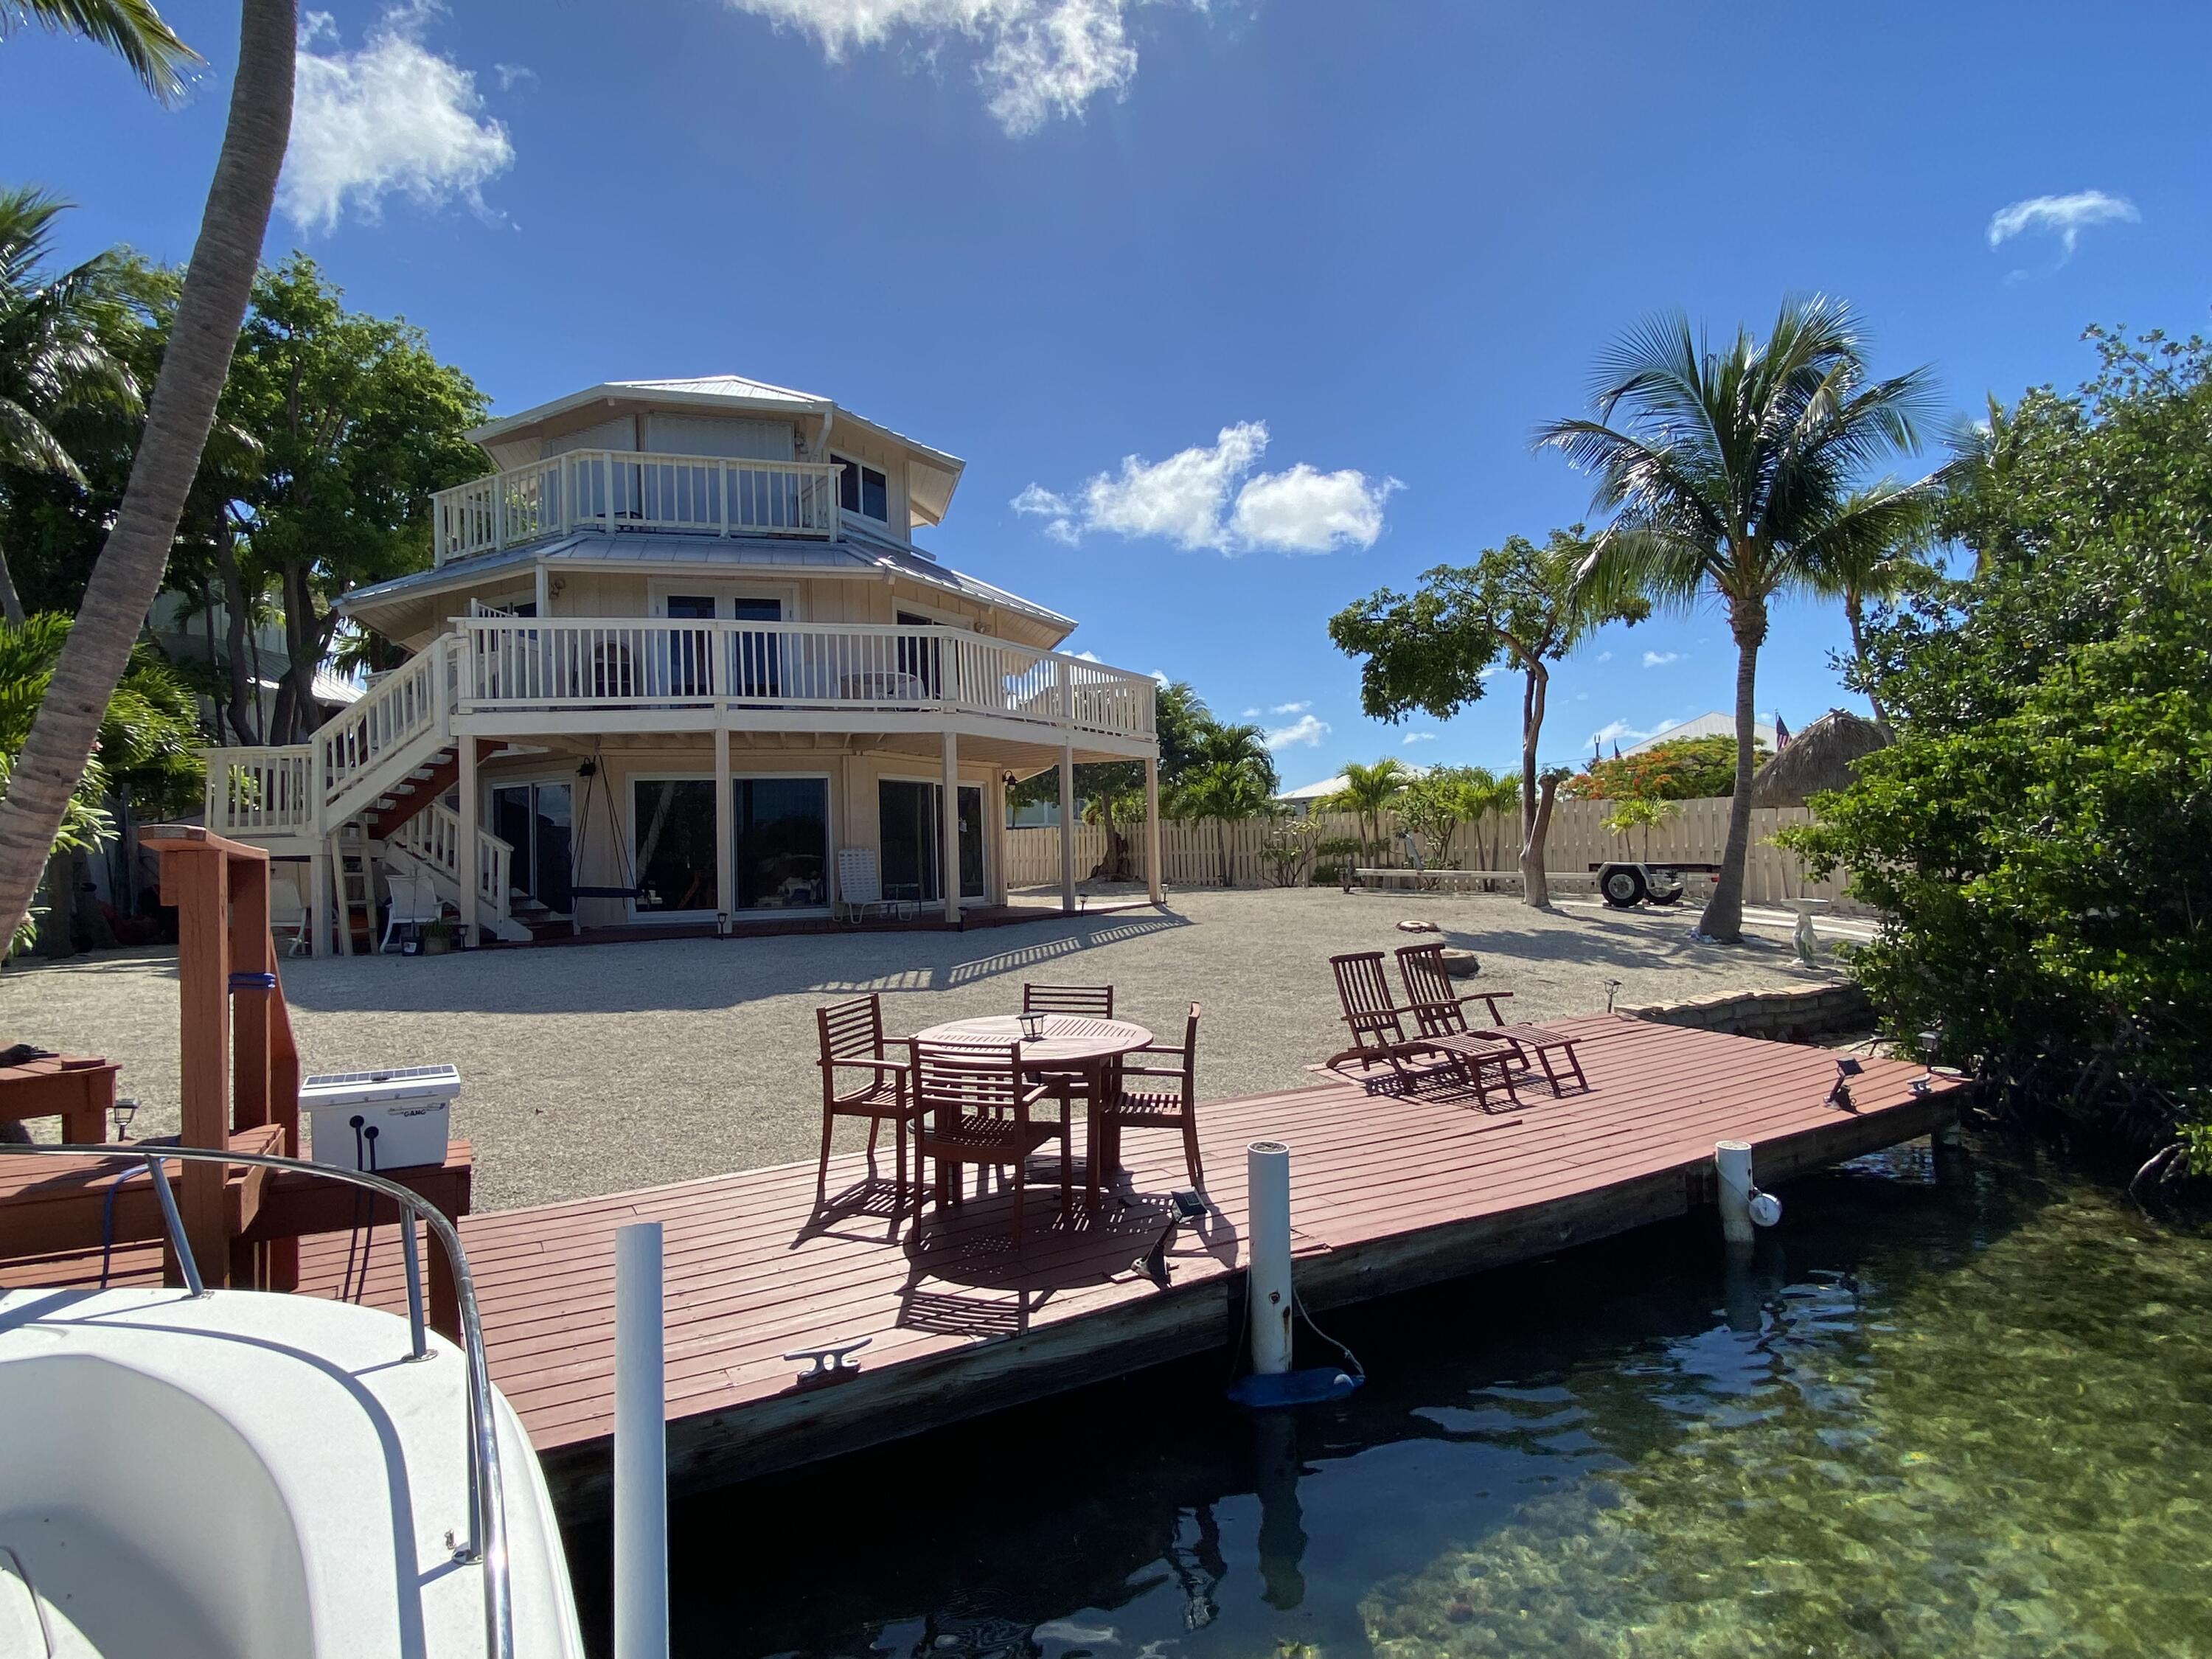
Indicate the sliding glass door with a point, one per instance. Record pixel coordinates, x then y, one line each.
672 830
912 816
537 821
782 828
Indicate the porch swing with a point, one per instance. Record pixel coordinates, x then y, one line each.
593 774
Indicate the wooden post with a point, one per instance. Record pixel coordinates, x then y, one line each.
337 850
1153 879
994 813
251 951
1066 826
195 879
951 826
464 871
725 850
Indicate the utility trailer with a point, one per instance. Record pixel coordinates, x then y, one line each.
1625 885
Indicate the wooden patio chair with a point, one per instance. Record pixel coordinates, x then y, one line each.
1151 1107
1378 1033
1090 1001
1441 1011
874 1084
973 1107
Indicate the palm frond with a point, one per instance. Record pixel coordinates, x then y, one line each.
131 29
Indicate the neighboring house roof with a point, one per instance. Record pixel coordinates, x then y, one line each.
1321 790
740 552
1713 725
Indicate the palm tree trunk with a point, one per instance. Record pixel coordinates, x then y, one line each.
1723 921
127 577
1855 610
1536 799
11 602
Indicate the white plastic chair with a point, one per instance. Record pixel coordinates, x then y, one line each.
859 883
414 904
288 914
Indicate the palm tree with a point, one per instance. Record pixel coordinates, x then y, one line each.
1369 791
210 308
1227 792
1868 570
1731 472
1485 796
54 360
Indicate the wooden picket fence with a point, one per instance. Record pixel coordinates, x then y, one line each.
1193 854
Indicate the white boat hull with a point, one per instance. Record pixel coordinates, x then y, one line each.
249 1474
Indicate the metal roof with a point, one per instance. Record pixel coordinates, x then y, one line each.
1713 725
645 548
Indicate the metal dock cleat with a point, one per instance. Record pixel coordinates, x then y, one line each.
830 1364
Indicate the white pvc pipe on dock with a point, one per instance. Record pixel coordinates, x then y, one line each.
1267 1176
1732 1158
640 1447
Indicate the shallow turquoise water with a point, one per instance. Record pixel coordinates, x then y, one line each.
1970 1415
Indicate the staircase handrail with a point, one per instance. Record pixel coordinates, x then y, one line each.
433 835
413 699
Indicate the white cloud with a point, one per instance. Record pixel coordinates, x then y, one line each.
513 74
1412 737
1290 709
1661 659
1251 714
1605 656
1495 670
1038 58
1305 732
1087 656
394 117
2063 216
1202 498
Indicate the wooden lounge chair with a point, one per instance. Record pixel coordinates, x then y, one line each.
1151 1107
1441 1012
1378 1033
975 1109
874 1085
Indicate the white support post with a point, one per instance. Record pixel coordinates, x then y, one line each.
1732 1159
995 815
1267 1294
544 593
640 1451
1154 881
725 850
951 879
1066 827
319 906
344 907
465 855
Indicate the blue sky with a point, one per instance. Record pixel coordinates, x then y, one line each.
1334 263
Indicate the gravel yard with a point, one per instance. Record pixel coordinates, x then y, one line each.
592 1068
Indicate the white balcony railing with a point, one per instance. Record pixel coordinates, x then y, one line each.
261 792
433 835
518 663
624 490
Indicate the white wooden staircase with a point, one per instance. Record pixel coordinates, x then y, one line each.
378 770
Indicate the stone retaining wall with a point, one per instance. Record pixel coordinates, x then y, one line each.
1790 1014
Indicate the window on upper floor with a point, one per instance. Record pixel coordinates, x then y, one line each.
864 490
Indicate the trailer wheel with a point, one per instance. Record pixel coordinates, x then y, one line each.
1622 886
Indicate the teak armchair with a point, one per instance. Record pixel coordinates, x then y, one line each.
973 1107
861 1077
1154 1107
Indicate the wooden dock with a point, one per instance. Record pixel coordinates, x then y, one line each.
1388 1193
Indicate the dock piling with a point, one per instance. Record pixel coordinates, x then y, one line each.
640 1447
1268 1175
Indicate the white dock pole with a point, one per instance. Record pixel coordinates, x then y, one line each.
1267 1178
1732 1158
641 1448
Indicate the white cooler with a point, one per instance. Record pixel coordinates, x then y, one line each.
408 1106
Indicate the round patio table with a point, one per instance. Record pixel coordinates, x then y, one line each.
1072 1042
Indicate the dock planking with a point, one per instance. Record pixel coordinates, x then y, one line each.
1388 1193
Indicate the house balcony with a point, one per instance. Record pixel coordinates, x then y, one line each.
518 673
626 490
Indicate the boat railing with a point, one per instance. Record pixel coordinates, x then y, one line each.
487 1545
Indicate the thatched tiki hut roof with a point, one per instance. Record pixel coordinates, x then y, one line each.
1821 757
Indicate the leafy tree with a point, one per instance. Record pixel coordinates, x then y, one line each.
147 760
1871 569
210 306
1521 605
1114 790
354 424
1735 473
1687 768
55 360
2035 838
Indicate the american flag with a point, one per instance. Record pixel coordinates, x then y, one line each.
1781 732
